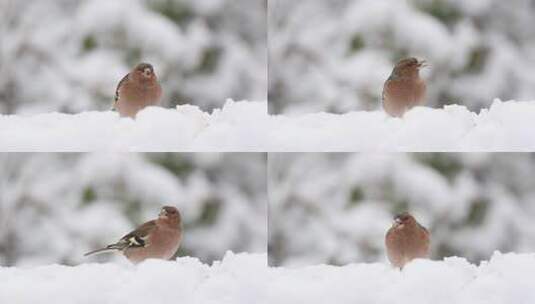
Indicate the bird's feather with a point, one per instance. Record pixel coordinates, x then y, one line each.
101 250
118 89
138 237
423 228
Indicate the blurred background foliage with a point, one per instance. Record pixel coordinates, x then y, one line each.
62 55
55 207
336 208
334 55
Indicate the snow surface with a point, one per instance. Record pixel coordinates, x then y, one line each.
506 126
246 127
245 278
232 128
506 278
238 278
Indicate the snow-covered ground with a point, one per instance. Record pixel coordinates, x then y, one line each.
246 126
245 278
231 128
506 278
506 126
238 278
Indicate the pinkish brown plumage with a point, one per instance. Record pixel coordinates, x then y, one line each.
404 89
138 89
406 240
156 239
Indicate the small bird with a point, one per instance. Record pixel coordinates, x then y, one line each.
138 89
404 88
406 240
156 239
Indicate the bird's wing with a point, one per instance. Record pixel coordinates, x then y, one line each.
138 237
423 228
390 78
124 79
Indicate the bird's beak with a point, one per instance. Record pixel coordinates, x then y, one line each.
146 73
397 221
423 64
163 213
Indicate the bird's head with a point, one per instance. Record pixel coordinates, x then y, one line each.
170 213
408 67
144 71
403 219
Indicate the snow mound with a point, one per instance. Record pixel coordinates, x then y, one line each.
246 127
506 278
236 279
506 126
245 278
185 128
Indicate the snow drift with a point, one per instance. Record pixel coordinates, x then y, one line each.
506 278
236 279
506 126
245 278
186 128
246 127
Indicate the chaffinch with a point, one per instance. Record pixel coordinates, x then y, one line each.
406 240
138 89
404 88
156 239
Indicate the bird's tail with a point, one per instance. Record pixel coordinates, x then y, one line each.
108 248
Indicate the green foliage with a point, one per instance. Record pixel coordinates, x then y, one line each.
356 43
443 163
133 56
183 251
89 195
478 212
210 60
399 206
177 164
89 43
177 11
478 59
210 212
355 197
443 11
